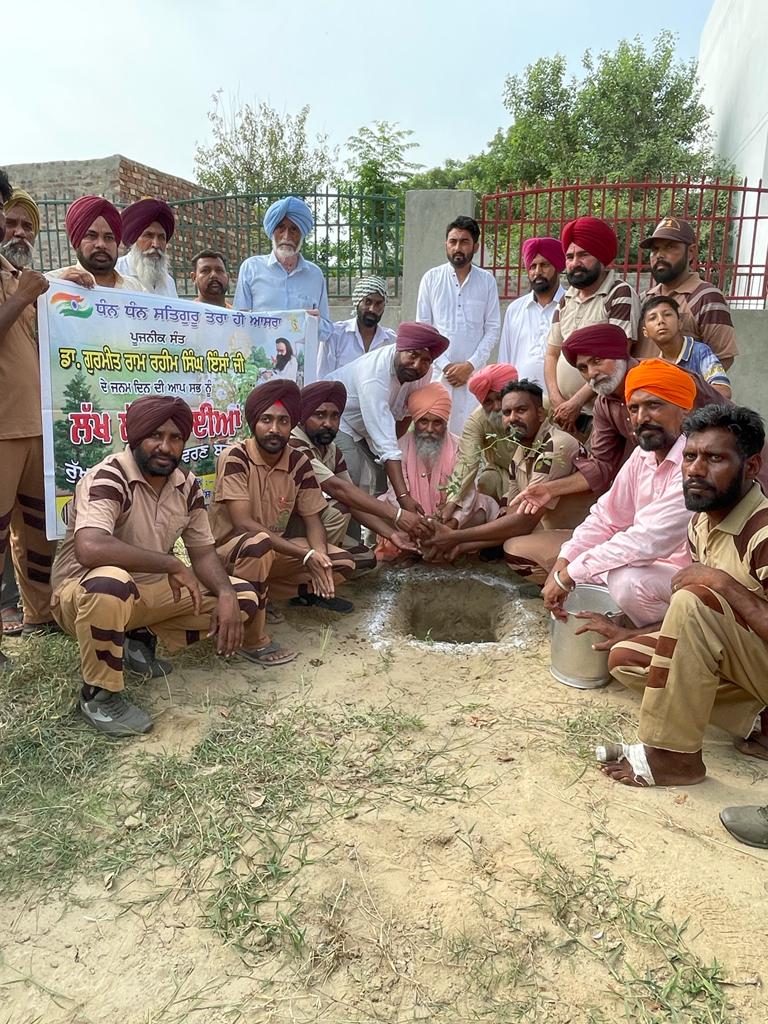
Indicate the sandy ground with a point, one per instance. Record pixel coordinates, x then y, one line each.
420 904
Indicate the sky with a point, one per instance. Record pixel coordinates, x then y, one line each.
137 78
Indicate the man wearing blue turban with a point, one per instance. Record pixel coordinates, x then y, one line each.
284 279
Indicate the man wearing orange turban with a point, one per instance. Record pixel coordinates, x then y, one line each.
635 538
596 295
94 230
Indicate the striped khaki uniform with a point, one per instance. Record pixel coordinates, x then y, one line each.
704 314
705 664
100 605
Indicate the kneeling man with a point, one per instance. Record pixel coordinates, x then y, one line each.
708 661
634 539
113 577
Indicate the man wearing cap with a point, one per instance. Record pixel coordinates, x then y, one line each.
634 540
378 385
462 302
211 278
22 493
528 319
22 224
284 279
596 295
322 405
704 312
95 230
148 227
540 451
485 452
260 484
362 333
117 588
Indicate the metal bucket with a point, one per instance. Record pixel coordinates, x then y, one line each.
573 661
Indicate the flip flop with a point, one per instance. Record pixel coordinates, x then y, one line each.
333 604
259 655
13 621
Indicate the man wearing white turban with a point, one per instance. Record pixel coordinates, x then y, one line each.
284 279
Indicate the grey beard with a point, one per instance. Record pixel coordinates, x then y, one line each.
18 252
495 422
285 251
150 271
610 385
428 448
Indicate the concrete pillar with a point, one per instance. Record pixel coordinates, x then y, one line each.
427 214
750 369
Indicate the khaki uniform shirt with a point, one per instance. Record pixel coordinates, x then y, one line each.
479 446
615 302
115 497
20 414
272 491
739 544
325 464
704 313
549 457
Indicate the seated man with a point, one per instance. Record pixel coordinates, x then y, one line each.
707 661
660 323
539 450
260 483
429 456
485 453
116 587
322 405
634 539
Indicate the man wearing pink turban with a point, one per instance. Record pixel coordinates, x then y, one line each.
529 318
596 295
429 456
484 455
94 230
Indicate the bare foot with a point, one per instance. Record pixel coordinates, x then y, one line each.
755 745
669 768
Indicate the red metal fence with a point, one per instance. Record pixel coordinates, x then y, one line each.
730 219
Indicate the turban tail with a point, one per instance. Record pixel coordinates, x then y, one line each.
315 395
607 341
294 209
434 398
665 380
491 378
138 216
593 236
84 211
145 415
549 248
21 198
265 395
411 335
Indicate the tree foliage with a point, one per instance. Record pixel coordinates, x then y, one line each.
632 112
256 149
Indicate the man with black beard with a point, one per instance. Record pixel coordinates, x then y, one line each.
462 302
634 539
210 278
362 333
95 231
707 661
148 227
704 313
528 319
116 584
22 224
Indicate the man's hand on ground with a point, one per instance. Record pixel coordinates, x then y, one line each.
181 578
402 541
227 624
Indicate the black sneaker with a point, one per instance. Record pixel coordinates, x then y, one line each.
139 655
333 604
114 715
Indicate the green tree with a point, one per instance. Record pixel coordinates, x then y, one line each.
256 149
85 456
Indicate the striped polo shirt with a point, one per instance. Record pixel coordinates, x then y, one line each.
739 544
704 313
272 491
325 464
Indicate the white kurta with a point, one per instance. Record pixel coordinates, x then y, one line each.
468 315
375 401
125 267
346 345
524 335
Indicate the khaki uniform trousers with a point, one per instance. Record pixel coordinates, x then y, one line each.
336 521
103 604
534 555
274 574
22 515
704 665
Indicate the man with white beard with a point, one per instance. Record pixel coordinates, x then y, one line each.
284 279
148 227
22 223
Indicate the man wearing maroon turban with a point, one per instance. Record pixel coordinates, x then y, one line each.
322 405
94 230
529 318
596 295
117 586
378 386
148 227
261 484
